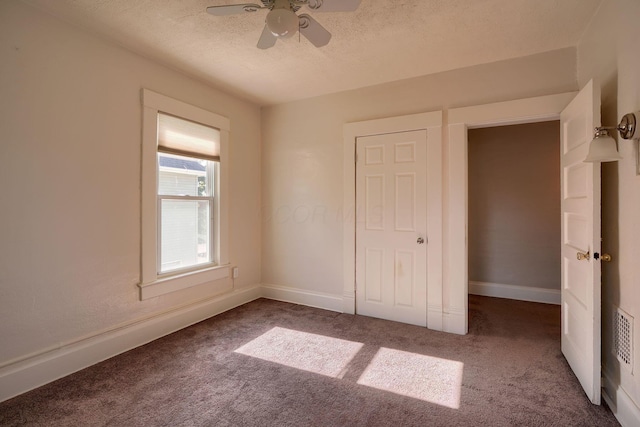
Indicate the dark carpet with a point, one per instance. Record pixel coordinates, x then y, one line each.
269 363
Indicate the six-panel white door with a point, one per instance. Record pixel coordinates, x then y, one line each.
580 186
391 225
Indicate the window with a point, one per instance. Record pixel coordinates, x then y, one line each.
184 215
186 195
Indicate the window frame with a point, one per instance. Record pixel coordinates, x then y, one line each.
152 283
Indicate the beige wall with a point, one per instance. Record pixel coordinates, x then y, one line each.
608 52
514 205
302 176
70 121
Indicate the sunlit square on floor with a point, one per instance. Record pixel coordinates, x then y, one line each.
414 375
302 350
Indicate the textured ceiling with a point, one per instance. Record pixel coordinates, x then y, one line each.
384 40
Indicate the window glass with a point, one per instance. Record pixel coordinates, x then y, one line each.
185 194
186 236
182 176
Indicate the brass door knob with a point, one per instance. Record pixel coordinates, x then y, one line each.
606 257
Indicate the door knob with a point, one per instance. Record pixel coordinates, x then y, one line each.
420 240
583 255
606 257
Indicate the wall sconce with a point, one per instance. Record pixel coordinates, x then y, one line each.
603 147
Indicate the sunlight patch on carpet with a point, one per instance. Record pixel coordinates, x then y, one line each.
422 377
302 350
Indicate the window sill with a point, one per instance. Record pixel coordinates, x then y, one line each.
167 285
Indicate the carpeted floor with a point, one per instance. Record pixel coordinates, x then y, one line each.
269 363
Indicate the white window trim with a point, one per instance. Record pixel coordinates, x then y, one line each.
153 285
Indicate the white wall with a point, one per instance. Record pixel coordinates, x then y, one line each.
609 52
70 121
514 205
302 178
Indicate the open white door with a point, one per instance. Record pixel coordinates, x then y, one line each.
580 184
391 240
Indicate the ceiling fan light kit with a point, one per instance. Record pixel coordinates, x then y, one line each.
282 22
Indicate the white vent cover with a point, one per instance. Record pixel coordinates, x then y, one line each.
623 338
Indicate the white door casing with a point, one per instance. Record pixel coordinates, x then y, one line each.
432 123
581 293
391 226
455 261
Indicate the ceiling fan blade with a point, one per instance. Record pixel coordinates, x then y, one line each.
313 31
267 39
234 9
333 5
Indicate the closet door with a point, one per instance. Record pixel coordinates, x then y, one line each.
391 240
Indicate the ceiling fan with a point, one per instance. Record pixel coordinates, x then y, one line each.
282 22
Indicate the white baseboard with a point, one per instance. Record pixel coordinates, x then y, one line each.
435 317
454 321
523 293
623 407
298 296
349 303
37 370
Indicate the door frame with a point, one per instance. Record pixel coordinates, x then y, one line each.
456 259
432 123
